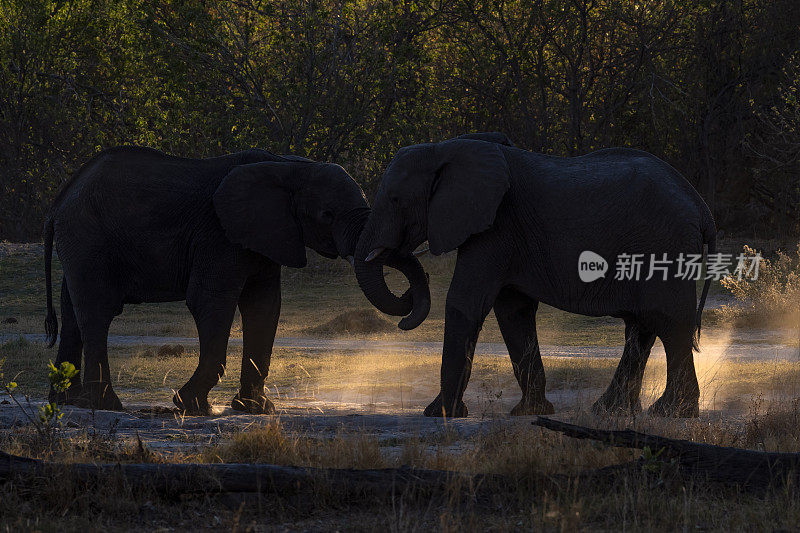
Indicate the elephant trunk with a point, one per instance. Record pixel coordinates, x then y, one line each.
414 304
419 289
347 231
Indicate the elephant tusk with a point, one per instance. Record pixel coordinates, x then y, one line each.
374 253
422 252
351 260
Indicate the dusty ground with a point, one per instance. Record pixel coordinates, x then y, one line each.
322 387
349 392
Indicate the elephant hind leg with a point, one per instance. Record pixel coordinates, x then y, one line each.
70 349
516 316
95 305
622 394
681 396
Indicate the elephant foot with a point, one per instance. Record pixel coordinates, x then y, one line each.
533 407
98 395
190 403
459 410
616 404
673 406
258 405
72 396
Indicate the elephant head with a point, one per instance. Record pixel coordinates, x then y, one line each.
277 208
442 193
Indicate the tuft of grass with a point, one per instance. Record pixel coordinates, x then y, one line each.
356 322
271 444
773 426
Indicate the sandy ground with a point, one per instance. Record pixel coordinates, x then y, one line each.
385 403
166 431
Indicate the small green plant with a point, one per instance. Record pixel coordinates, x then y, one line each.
61 376
60 379
651 460
48 418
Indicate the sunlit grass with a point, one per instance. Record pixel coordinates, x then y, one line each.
405 381
744 403
751 405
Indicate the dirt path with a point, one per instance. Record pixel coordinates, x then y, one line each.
722 350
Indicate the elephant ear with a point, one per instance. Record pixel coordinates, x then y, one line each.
472 179
254 205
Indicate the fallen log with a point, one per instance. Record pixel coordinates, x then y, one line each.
169 478
241 478
715 463
749 468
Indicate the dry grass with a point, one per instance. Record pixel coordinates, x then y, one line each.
90 446
769 299
752 404
634 501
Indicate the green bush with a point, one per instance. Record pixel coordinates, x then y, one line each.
772 298
349 81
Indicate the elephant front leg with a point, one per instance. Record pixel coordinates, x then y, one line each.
516 316
470 298
213 315
460 336
260 305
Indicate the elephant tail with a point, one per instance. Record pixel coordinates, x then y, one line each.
51 322
711 240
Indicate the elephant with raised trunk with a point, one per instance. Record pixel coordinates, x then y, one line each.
520 221
137 225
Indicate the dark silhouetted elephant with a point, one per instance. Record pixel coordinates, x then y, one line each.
520 221
136 225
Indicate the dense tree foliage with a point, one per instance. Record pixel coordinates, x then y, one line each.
711 86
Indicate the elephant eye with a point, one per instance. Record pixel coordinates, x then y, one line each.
326 217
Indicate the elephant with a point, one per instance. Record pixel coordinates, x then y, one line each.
137 225
520 221
489 136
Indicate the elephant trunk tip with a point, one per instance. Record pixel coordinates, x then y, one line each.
417 316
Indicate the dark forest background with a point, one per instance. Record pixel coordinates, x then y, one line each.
711 86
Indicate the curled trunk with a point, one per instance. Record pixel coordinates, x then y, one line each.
414 304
